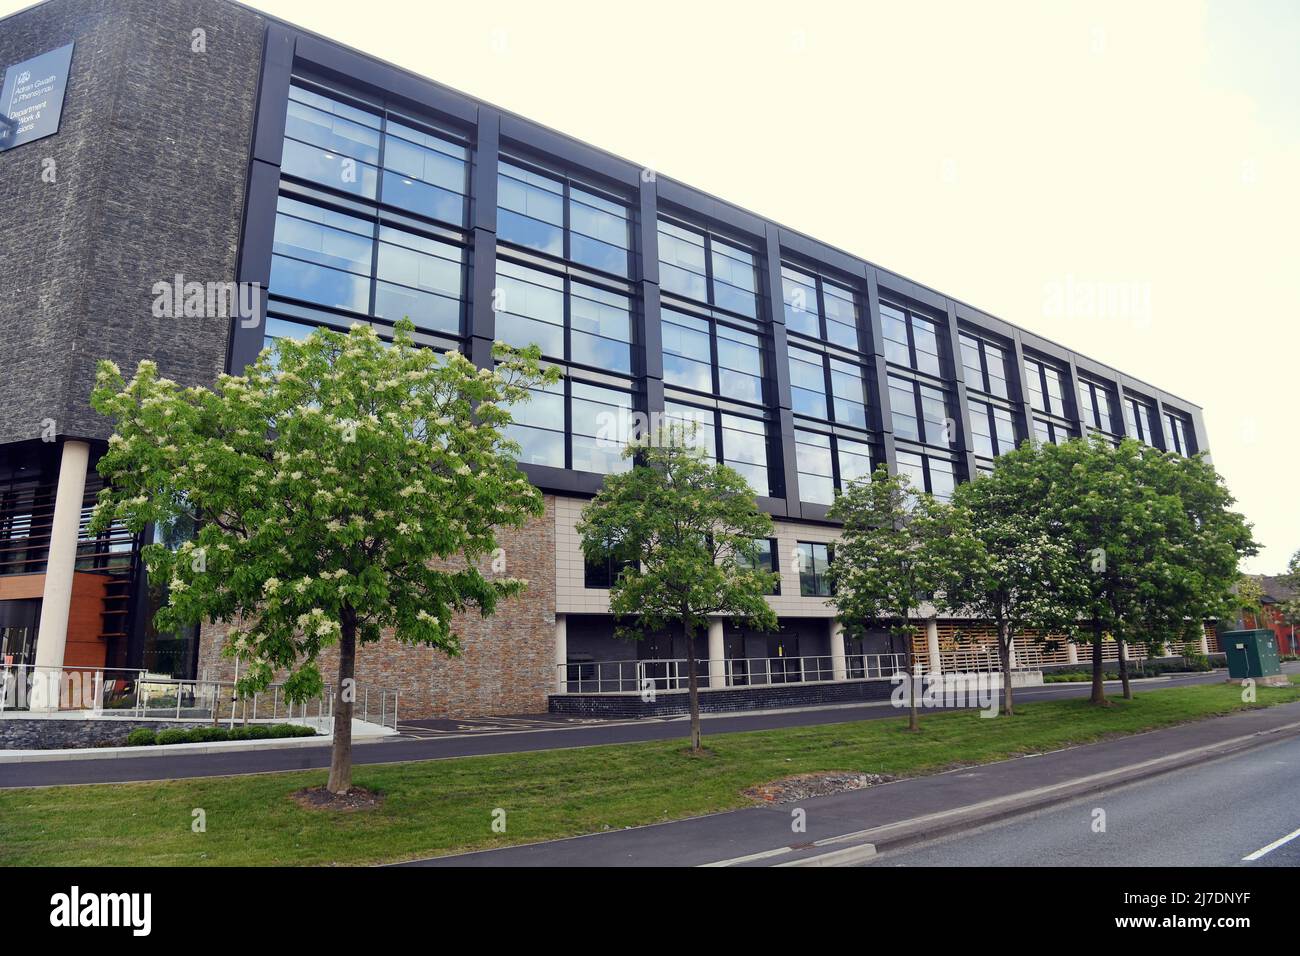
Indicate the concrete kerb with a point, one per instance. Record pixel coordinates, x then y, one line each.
865 844
368 736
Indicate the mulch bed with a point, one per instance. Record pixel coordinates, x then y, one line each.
805 785
318 798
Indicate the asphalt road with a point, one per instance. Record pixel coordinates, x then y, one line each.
486 739
1212 814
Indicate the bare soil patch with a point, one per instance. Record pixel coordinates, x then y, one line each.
318 798
805 785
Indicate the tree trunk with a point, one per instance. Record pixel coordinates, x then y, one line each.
1004 650
693 685
913 719
1123 670
344 694
1098 690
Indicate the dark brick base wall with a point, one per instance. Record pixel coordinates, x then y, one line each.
18 733
672 703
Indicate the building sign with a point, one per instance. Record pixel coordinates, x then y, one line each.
32 97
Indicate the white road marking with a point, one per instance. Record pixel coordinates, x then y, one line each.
1262 851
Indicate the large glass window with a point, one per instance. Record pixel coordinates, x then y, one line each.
993 429
700 266
928 473
424 173
920 412
687 351
530 308
600 328
1178 435
530 209
599 234
1046 393
744 448
736 440
420 279
848 387
819 308
689 342
817 455
538 426
1095 406
814 560
816 472
1141 420
911 339
807 383
740 364
601 422
984 365
765 560
331 143
321 256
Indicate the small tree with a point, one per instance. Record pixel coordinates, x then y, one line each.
687 528
892 556
340 487
1250 599
1006 566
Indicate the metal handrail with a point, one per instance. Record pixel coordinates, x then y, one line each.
137 693
598 677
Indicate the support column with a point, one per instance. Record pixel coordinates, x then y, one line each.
839 669
52 637
561 653
717 654
1205 645
1072 652
932 645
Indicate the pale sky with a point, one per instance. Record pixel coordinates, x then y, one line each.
1143 155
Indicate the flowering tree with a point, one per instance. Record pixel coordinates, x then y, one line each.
896 551
1006 566
340 487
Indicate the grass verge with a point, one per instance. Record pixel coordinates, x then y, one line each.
444 806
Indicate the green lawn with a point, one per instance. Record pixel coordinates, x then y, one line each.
443 806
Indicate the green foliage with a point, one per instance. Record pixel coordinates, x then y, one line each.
340 487
173 735
898 548
688 527
1005 565
141 737
258 732
1151 537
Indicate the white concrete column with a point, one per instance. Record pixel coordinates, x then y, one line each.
717 654
1205 645
932 645
561 652
1013 650
1072 652
56 602
839 667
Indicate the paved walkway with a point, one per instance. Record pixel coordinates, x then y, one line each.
760 836
443 739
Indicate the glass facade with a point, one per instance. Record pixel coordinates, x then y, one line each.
372 224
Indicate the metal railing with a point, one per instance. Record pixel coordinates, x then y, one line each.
137 693
603 677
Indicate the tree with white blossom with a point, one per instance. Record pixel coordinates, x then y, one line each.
342 486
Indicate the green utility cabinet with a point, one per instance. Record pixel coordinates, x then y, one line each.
1251 653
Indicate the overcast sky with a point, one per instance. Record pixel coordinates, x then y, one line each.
1120 178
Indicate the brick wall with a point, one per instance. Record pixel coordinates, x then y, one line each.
506 661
